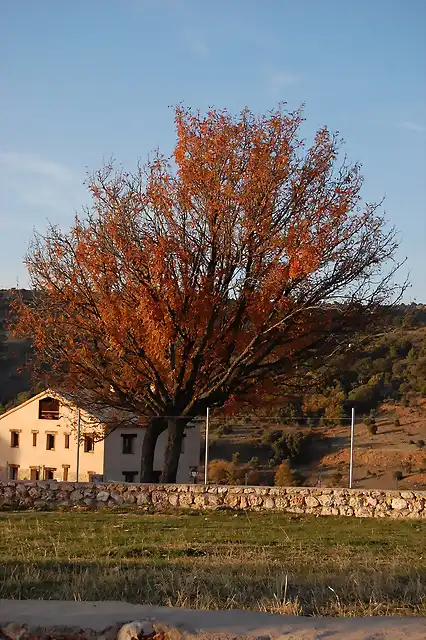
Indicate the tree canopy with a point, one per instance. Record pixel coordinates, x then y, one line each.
209 275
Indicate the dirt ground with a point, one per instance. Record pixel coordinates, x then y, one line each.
185 623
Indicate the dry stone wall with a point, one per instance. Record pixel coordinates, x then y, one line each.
317 501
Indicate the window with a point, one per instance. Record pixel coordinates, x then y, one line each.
34 473
89 444
13 471
48 409
34 438
65 469
128 442
129 476
49 474
14 439
67 441
90 475
50 442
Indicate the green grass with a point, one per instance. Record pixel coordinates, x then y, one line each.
269 562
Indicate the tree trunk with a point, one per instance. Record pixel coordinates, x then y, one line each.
176 430
152 433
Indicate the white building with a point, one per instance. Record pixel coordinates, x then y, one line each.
38 441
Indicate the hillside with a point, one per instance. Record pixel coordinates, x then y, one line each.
384 379
14 355
398 445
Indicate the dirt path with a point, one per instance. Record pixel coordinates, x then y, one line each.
226 624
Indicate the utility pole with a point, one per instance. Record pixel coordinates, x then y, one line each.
206 458
351 461
78 445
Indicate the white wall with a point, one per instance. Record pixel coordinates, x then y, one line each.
25 420
115 462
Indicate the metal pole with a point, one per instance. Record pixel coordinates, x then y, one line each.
206 459
78 445
351 462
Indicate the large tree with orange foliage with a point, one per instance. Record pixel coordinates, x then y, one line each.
207 276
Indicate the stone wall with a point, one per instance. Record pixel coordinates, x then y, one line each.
343 502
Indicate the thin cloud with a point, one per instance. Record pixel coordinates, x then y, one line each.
196 43
413 126
279 79
30 163
33 187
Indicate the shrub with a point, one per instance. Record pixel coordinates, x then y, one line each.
252 476
223 430
411 442
294 446
372 428
254 462
236 458
337 478
220 471
420 444
225 472
284 475
397 475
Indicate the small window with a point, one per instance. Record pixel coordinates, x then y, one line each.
48 409
67 441
34 439
89 444
50 442
90 475
128 442
34 473
65 469
14 439
13 471
129 476
49 474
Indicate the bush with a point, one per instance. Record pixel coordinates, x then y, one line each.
224 430
371 427
284 475
420 444
236 458
225 472
254 462
221 471
252 476
336 478
296 446
398 475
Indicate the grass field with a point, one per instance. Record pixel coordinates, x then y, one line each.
271 562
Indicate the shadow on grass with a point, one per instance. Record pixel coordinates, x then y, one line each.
190 583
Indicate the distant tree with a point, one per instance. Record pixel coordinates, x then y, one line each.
285 476
237 267
398 476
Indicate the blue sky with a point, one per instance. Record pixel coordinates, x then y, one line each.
84 80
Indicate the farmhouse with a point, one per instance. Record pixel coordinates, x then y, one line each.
38 441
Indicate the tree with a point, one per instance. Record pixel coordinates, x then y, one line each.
236 265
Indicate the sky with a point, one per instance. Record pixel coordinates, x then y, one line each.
82 81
